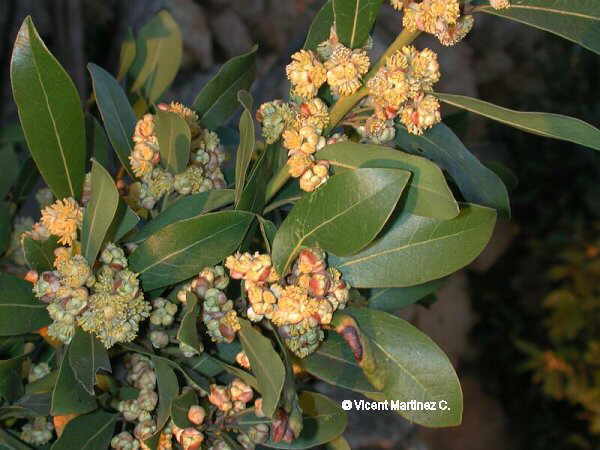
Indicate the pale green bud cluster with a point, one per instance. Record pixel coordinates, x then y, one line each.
140 375
155 184
113 256
220 445
38 371
38 431
15 250
124 441
163 312
257 434
302 339
275 117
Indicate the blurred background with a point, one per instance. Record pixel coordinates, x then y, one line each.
522 323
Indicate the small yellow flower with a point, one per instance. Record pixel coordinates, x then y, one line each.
185 113
143 158
314 113
299 163
345 69
500 4
421 114
293 306
144 129
62 219
315 177
453 34
306 73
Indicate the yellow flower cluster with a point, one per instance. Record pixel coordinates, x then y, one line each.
298 304
441 18
63 218
400 89
500 4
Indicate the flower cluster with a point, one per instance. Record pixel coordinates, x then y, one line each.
63 218
400 89
108 303
441 18
202 173
38 431
297 304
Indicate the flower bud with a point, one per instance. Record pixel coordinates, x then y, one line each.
191 439
196 414
240 391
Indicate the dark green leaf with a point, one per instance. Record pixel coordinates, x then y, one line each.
40 254
408 253
17 301
354 20
28 406
98 145
321 27
205 364
185 208
575 20
544 124
99 212
168 389
477 183
266 365
12 134
181 250
246 147
125 221
11 385
268 230
127 55
117 114
253 197
50 112
9 442
87 356
28 177
393 299
217 101
174 135
356 203
180 407
88 432
10 166
188 331
427 193
414 368
5 226
159 49
324 420
69 396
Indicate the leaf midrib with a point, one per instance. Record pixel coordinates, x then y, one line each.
559 12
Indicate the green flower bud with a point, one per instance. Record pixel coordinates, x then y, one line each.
159 339
124 441
37 432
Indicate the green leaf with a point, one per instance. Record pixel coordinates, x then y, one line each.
11 362
87 356
168 389
354 20
324 420
127 55
414 368
181 250
393 299
174 138
125 221
321 27
356 203
9 442
338 443
253 196
427 193
39 255
5 227
408 253
27 180
246 147
88 432
68 395
50 112
99 212
268 230
205 364
334 363
549 125
28 406
477 183
188 331
180 407
575 20
10 166
17 301
117 114
218 100
185 208
97 141
266 365
159 49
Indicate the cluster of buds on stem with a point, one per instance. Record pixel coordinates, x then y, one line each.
202 173
38 431
298 304
140 375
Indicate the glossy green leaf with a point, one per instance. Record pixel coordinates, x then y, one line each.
125 220
324 420
218 100
27 180
246 147
253 197
408 253
17 301
575 20
117 114
321 26
188 331
414 368
356 203
99 212
97 142
181 250
126 55
39 255
28 406
87 356
266 365
173 134
168 389
88 432
68 395
427 193
159 48
185 208
205 364
11 167
477 183
11 368
268 230
393 299
180 407
354 20
50 113
549 125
